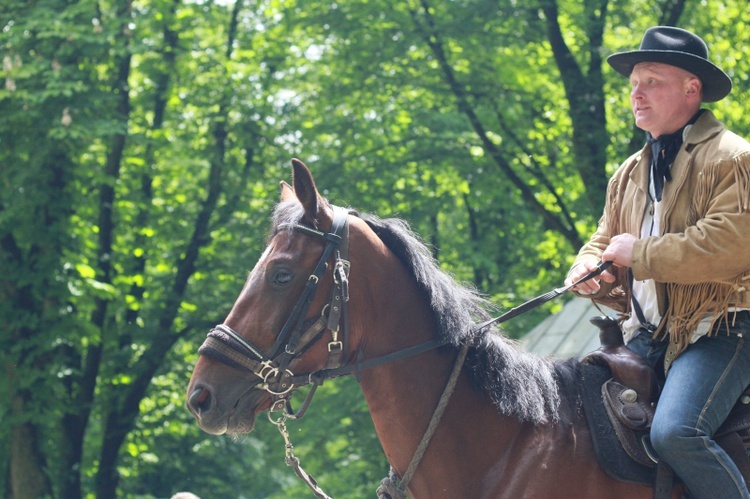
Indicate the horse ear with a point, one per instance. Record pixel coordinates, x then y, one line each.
305 190
287 193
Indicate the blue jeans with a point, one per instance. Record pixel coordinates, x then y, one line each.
702 385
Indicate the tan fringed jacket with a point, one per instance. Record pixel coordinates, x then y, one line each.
701 262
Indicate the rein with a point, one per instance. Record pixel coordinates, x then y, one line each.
274 369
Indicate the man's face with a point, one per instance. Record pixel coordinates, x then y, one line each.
663 97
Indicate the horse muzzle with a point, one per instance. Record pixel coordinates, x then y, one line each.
217 417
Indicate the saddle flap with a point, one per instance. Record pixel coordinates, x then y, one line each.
623 447
630 418
626 405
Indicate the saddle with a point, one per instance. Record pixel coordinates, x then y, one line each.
629 392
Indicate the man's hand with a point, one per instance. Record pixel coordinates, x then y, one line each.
620 250
592 285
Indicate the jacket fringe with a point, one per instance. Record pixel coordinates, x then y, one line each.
689 304
742 178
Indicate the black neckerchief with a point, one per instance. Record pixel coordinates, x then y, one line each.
664 150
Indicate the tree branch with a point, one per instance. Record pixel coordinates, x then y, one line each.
585 96
431 36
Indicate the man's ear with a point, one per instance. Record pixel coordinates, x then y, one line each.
694 88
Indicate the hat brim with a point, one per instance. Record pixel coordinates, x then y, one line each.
716 83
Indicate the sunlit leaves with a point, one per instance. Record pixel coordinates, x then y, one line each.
355 89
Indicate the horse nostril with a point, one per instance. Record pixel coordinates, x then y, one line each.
200 400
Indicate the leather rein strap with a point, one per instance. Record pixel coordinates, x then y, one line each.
539 300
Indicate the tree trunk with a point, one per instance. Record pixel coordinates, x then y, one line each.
27 477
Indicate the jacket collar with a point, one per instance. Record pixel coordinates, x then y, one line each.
705 128
702 130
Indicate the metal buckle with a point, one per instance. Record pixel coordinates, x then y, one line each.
275 371
263 374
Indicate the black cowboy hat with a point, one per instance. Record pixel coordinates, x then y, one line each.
676 47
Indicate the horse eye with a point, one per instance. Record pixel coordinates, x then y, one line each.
283 277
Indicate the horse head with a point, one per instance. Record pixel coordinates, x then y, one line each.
288 320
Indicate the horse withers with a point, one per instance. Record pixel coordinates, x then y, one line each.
514 426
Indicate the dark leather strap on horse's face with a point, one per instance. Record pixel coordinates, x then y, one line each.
274 368
289 335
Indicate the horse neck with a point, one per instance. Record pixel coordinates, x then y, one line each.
402 396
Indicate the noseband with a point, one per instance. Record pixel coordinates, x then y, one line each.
274 369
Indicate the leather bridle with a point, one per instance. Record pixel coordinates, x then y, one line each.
275 368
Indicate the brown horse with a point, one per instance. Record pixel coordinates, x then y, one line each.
514 426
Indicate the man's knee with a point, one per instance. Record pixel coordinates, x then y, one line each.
671 440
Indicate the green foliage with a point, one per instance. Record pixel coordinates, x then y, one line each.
141 146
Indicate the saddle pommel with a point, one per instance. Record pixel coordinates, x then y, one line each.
628 368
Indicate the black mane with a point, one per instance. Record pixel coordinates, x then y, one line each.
520 384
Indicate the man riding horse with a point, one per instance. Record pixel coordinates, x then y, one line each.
676 224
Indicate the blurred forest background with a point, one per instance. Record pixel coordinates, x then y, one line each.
141 147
